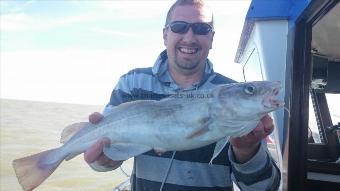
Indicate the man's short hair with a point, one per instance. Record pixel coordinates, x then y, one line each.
197 3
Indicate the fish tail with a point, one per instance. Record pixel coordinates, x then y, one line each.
31 171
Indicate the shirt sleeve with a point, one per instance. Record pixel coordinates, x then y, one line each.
259 173
120 94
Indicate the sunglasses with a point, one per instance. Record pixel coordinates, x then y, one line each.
182 27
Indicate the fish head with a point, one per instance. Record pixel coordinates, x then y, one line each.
246 101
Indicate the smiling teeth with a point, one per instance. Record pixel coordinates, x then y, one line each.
188 50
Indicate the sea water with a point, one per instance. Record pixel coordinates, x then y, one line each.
28 127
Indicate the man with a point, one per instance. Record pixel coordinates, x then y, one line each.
188 35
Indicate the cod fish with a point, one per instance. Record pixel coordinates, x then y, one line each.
183 121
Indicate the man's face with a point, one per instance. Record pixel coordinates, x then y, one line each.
187 52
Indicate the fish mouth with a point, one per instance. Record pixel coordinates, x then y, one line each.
270 100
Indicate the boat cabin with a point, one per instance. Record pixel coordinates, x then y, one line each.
298 43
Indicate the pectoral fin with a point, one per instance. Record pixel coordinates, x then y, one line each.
218 148
124 151
203 129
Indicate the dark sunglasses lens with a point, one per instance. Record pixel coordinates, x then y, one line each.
179 27
201 28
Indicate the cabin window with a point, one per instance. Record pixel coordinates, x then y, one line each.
333 102
334 107
313 130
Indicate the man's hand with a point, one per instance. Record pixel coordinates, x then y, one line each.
246 147
95 152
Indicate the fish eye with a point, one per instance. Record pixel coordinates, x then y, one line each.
249 89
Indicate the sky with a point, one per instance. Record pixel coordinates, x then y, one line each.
75 51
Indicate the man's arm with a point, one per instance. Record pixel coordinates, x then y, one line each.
252 166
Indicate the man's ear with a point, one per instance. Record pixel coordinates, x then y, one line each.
212 39
165 35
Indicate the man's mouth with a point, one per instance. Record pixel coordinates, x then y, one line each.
186 50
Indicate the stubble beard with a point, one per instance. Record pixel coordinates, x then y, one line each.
187 68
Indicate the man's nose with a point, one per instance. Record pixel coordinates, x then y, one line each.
189 35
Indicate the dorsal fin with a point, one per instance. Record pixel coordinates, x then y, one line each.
71 130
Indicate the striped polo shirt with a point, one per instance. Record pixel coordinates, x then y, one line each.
189 169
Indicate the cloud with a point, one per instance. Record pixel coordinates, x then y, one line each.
22 22
15 7
16 22
113 32
33 16
13 16
131 9
231 8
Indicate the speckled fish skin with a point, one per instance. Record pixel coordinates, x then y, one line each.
184 121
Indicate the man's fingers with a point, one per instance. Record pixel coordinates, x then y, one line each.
263 129
259 130
94 152
267 120
269 129
268 125
95 117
